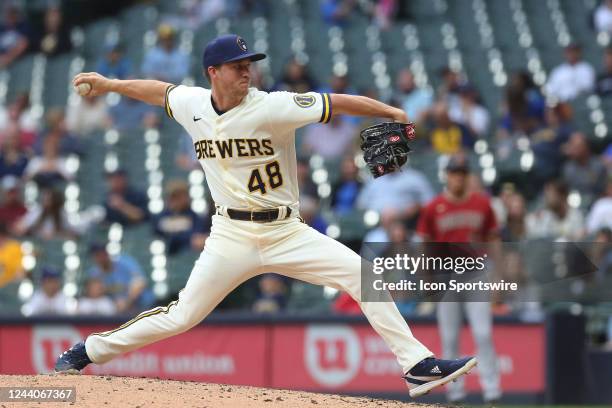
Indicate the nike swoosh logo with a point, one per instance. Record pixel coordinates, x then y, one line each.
196 119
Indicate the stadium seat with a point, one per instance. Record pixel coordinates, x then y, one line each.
10 304
20 77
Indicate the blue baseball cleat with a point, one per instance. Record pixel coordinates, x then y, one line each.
432 372
73 360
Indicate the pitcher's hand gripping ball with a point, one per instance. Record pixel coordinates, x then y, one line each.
83 88
385 146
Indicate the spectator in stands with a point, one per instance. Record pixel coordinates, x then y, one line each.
47 220
469 112
448 91
411 191
384 12
166 62
50 169
606 158
603 85
130 114
13 158
600 215
414 101
87 115
399 239
557 220
330 140
583 172
523 106
446 136
186 157
601 255
123 278
547 143
95 301
254 7
54 38
14 36
258 79
272 296
514 229
48 299
12 207
603 17
501 202
114 64
339 84
572 78
13 138
19 114
196 13
10 257
124 204
345 192
295 78
179 226
306 186
337 12
56 129
309 211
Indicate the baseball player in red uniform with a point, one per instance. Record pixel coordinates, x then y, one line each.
460 215
244 139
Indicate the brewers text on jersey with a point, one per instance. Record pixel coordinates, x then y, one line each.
211 149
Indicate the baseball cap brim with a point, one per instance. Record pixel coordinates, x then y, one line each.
457 169
458 164
253 56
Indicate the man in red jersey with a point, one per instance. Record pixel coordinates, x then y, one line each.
460 215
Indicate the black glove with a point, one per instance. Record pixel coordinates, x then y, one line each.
385 146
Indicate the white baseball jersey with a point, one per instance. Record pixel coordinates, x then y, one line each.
248 152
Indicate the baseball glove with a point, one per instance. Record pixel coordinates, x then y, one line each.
385 146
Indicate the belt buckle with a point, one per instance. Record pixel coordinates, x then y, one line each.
251 215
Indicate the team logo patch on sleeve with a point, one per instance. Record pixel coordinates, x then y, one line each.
304 101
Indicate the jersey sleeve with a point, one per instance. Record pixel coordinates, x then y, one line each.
176 102
293 110
490 221
425 223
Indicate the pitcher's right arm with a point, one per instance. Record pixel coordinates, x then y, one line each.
148 91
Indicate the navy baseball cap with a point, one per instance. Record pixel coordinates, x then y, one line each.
228 48
458 163
49 272
96 247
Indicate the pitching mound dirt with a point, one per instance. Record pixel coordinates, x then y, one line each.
96 391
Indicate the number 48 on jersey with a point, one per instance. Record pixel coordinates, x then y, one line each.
275 178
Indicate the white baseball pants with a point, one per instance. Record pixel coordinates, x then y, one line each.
480 318
238 250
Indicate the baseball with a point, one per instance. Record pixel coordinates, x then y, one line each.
83 88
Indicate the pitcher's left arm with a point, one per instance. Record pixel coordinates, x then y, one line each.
363 106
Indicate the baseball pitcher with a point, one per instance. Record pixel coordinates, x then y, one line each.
244 139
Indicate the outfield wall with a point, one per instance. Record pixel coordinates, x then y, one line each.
340 355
